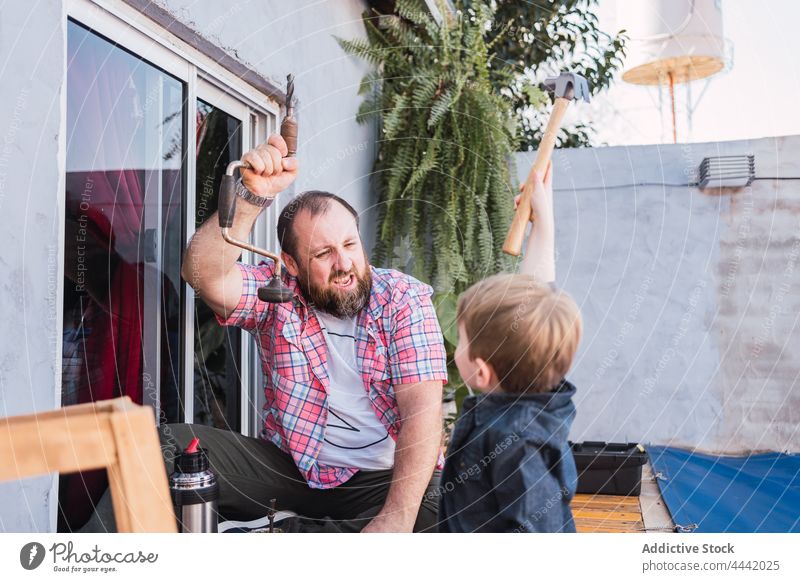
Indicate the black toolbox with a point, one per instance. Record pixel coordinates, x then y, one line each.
609 468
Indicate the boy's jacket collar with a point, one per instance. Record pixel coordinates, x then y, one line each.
551 401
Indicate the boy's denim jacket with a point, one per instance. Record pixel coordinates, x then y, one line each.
509 465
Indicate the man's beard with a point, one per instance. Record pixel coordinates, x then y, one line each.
331 300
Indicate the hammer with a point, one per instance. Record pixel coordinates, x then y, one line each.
565 88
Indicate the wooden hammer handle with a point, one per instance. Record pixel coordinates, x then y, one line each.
513 243
289 134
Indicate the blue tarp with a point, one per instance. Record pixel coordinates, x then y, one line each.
754 493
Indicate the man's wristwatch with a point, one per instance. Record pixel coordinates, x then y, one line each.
245 194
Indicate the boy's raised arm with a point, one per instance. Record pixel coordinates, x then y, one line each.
539 257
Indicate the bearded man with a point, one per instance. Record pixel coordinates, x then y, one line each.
354 367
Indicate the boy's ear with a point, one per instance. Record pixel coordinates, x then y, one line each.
485 376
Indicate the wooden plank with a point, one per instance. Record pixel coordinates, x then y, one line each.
115 434
139 480
597 526
123 403
607 514
606 499
606 510
613 501
54 444
601 527
600 505
604 529
119 500
594 525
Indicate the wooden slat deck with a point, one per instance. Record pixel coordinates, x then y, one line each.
607 514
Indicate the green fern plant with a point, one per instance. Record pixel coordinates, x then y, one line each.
443 173
445 144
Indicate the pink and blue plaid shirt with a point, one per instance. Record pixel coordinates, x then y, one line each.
398 341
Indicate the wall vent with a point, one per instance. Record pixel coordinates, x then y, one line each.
727 171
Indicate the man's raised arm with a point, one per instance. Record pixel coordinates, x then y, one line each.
209 264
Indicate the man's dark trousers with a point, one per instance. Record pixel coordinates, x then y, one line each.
251 472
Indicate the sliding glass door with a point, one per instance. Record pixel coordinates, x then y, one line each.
148 140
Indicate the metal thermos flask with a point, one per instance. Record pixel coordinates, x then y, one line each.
194 491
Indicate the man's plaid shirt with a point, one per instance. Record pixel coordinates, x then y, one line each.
398 341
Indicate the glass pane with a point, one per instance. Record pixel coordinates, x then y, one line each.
217 349
122 248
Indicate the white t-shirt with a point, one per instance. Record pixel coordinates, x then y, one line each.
354 437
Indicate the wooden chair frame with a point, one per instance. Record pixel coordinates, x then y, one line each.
114 434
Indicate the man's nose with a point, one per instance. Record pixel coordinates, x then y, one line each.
343 262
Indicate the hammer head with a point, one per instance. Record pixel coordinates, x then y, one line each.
567 85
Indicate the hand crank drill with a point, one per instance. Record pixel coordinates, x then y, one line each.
275 291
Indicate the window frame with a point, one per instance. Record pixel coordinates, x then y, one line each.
207 80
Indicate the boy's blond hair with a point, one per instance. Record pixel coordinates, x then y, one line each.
526 331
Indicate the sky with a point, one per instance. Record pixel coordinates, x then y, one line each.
758 95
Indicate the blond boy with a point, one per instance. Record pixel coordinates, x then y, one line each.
509 465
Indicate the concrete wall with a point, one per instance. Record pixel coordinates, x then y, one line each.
690 299
275 38
32 77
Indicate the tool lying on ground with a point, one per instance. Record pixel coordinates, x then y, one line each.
565 88
275 291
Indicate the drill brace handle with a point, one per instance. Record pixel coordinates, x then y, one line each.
275 291
227 211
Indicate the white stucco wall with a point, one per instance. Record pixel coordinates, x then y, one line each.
690 299
32 76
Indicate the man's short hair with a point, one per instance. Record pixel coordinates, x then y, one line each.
527 331
316 202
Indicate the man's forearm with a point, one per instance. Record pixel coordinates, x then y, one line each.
414 462
208 256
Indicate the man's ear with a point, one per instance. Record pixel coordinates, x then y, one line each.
291 266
